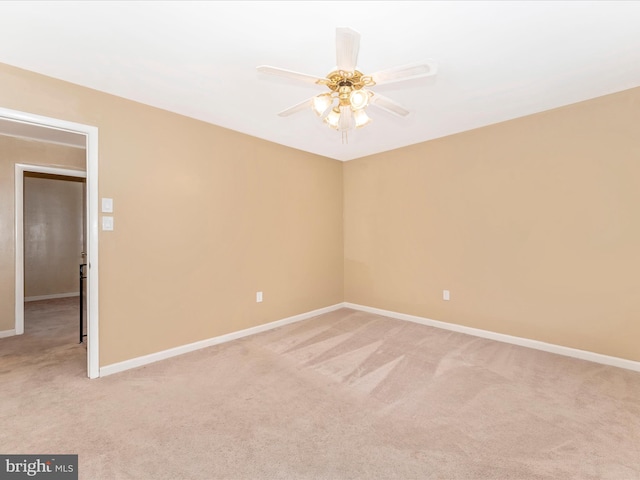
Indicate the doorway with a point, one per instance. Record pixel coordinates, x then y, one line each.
90 133
54 250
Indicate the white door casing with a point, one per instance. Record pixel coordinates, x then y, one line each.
92 216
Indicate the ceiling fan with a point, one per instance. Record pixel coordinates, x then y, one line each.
343 107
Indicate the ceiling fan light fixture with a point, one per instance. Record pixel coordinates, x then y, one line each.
359 99
321 103
361 118
343 109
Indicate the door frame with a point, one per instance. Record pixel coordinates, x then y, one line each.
91 175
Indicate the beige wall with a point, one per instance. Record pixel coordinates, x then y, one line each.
12 151
204 218
533 225
53 234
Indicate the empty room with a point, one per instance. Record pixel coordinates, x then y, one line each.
319 240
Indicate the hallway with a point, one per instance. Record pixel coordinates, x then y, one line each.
49 343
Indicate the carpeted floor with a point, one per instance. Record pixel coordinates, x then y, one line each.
345 395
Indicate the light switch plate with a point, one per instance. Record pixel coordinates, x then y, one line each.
107 205
107 223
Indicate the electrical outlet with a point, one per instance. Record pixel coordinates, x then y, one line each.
445 295
258 297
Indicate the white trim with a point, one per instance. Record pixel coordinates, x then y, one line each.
7 333
91 133
172 352
18 186
501 337
37 298
93 344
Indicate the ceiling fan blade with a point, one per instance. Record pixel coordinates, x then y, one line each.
405 72
391 106
281 72
347 48
297 108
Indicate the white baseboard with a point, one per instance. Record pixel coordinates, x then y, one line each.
49 297
7 333
500 337
172 352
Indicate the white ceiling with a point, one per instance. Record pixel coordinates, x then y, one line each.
497 60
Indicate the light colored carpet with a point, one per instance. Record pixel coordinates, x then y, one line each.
346 395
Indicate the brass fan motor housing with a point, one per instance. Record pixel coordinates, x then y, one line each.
343 83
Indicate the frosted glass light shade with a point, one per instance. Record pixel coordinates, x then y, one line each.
361 118
359 99
333 118
321 103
